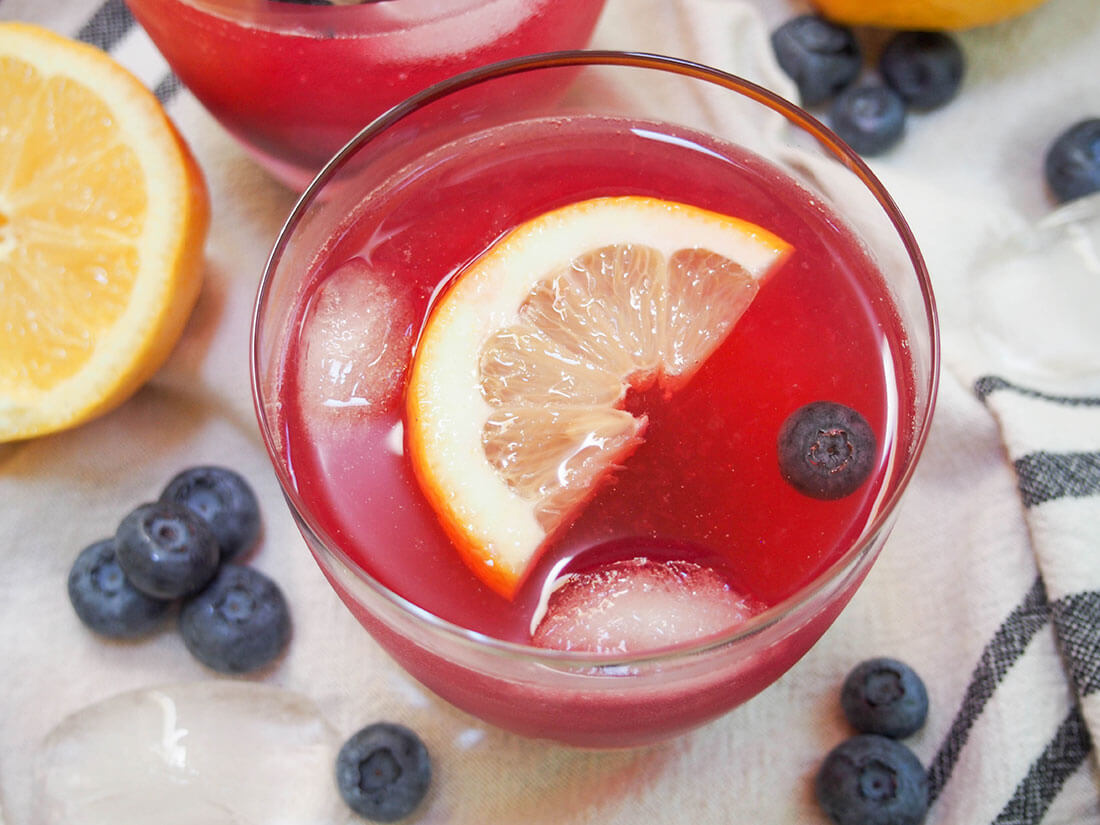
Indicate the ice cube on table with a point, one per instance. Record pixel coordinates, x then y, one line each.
212 752
637 605
355 343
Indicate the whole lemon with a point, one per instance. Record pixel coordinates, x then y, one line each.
923 14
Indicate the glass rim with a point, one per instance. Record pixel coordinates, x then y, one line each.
628 59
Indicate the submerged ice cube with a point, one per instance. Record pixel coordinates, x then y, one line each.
355 344
638 605
216 752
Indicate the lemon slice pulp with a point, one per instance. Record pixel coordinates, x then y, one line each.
514 407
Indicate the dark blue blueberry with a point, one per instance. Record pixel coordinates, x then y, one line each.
1073 161
821 57
870 118
826 450
166 550
383 772
872 780
925 68
885 696
239 623
224 500
104 598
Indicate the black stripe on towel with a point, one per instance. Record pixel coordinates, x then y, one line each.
107 26
988 384
1002 651
1044 476
1046 776
167 88
1076 621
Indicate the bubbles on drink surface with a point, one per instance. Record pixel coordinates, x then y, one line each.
639 604
356 340
212 752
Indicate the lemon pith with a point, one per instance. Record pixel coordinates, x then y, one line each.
513 407
103 213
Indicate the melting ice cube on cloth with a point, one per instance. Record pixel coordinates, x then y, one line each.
217 753
640 604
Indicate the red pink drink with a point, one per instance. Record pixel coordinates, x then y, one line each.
701 507
294 82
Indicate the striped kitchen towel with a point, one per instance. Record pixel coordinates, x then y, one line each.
1053 441
1020 332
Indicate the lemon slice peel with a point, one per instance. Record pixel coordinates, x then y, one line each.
514 400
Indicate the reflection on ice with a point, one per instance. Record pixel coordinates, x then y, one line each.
356 339
213 752
638 605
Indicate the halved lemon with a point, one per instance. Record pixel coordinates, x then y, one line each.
103 214
516 392
922 14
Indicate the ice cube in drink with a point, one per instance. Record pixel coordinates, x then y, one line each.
638 605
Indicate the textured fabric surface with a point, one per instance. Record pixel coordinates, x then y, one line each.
989 585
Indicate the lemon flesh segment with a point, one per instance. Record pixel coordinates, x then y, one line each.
515 393
103 213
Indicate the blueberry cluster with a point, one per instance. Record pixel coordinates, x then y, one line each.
383 772
917 70
872 778
183 549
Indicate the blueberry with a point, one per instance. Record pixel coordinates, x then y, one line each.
826 450
383 772
166 550
224 500
1073 161
872 780
104 598
884 696
239 623
925 68
870 118
821 57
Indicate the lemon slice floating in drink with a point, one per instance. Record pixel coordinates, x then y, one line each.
103 214
516 394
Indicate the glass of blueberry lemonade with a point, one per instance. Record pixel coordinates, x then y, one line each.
593 380
294 80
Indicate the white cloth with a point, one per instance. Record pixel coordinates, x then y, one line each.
989 585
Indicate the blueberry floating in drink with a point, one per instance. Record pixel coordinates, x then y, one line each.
826 450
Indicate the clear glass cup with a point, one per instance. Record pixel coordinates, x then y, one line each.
294 82
589 699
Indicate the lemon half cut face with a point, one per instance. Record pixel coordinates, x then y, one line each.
103 215
516 392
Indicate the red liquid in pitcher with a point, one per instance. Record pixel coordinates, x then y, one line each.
296 82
